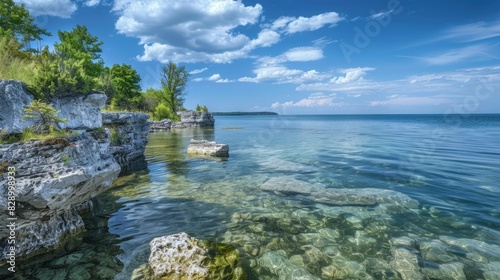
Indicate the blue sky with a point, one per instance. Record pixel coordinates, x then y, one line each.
303 57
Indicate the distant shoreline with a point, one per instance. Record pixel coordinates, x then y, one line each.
244 113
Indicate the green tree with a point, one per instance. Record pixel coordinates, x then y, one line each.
150 99
198 108
10 44
173 81
204 109
75 65
126 89
78 44
56 76
17 18
45 116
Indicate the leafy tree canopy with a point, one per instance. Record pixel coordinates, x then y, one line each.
80 45
173 80
18 19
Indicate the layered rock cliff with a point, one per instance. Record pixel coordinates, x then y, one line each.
45 184
188 119
194 119
52 179
128 138
80 111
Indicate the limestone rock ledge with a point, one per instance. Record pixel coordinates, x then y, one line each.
129 136
188 119
52 179
194 119
180 256
207 148
82 111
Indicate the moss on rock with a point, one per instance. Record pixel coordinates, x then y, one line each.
179 256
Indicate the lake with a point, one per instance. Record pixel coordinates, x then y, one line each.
448 164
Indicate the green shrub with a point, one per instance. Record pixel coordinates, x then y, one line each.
116 137
56 76
45 116
162 111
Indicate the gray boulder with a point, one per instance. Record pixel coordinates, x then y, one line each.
52 180
13 100
81 111
179 256
207 148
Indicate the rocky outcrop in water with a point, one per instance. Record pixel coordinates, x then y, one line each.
207 148
52 179
13 100
80 111
179 256
162 125
188 119
194 119
129 133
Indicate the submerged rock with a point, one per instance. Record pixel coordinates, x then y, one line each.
488 250
318 193
288 185
179 256
284 268
206 148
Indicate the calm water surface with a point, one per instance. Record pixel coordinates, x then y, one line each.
450 166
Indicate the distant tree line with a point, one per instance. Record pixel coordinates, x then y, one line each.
75 66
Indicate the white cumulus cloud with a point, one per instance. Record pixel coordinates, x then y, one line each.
92 3
191 31
294 54
56 8
281 74
214 77
351 75
314 100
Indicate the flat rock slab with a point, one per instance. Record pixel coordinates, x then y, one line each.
207 148
334 196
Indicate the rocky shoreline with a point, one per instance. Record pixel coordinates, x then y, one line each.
46 184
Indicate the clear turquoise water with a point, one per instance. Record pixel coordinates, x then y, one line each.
450 166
